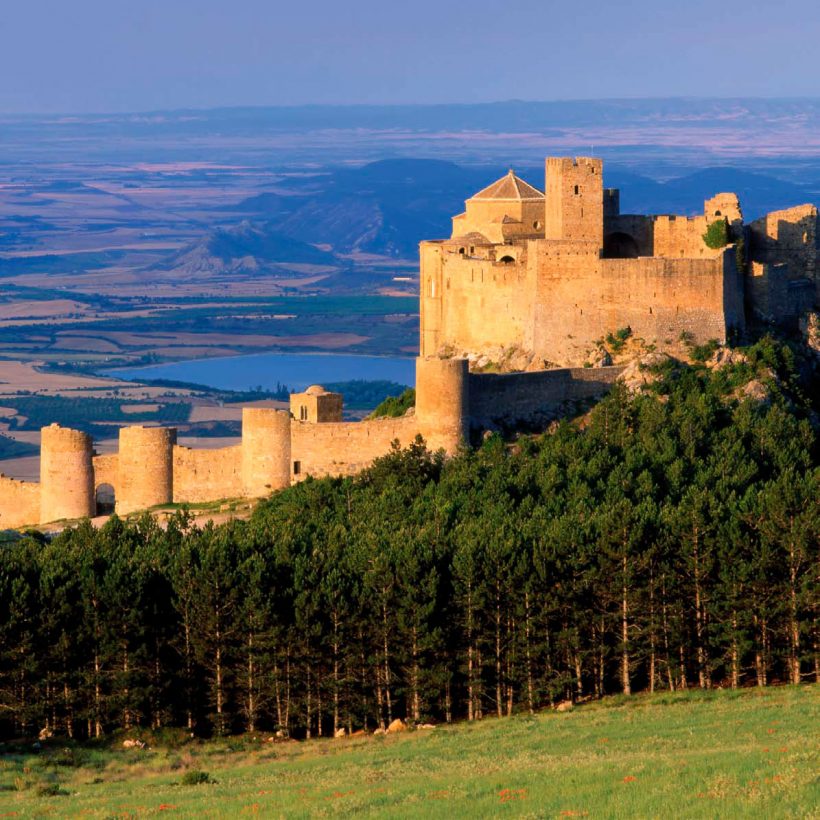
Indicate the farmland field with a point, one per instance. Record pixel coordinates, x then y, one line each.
750 753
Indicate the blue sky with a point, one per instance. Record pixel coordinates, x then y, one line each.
130 55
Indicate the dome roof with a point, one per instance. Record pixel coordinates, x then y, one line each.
315 390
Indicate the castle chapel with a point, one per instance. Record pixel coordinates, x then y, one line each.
549 273
546 274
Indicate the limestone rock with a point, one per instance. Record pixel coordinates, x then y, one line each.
379 731
398 725
726 357
425 726
755 390
340 733
642 372
810 328
564 706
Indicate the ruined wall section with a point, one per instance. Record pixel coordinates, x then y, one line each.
146 468
788 240
207 475
724 206
19 503
66 474
345 448
507 399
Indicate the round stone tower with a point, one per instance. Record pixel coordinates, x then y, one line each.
145 468
265 450
66 474
442 402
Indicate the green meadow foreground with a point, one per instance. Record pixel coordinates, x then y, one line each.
750 753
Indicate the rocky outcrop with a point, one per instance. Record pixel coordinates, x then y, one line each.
726 357
643 371
810 328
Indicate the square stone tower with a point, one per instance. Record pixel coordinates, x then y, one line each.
574 210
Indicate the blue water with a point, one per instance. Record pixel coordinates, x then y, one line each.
295 370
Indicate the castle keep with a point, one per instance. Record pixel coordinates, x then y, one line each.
551 273
546 274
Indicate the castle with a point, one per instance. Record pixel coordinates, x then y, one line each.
546 274
551 273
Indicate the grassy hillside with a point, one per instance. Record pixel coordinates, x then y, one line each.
717 754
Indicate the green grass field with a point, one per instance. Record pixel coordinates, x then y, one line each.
718 754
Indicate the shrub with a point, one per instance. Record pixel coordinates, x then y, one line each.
51 790
700 353
195 777
717 234
617 340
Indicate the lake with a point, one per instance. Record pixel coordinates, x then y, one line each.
296 370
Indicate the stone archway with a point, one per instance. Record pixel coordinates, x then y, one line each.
105 499
620 245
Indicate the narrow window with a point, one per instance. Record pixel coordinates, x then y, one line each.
577 190
303 413
297 467
433 288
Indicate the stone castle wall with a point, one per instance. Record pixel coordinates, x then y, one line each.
462 288
150 469
659 299
344 448
19 503
107 471
509 399
207 475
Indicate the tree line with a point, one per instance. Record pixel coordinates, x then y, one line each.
667 540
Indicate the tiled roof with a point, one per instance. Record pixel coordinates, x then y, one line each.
509 187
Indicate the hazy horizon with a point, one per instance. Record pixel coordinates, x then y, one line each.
93 56
441 104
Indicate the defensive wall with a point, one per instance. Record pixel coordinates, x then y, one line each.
280 447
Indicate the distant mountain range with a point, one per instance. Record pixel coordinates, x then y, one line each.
388 207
